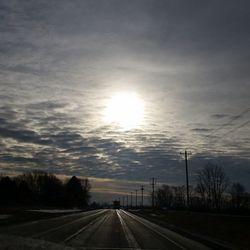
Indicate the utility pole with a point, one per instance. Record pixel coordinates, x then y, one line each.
187 181
123 201
142 188
131 199
127 201
136 198
153 191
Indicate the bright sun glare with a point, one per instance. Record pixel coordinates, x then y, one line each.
125 109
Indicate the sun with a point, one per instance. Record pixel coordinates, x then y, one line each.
125 110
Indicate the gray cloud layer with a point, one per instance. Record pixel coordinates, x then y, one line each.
61 60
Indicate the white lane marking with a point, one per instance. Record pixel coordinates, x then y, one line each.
129 236
153 229
66 224
97 221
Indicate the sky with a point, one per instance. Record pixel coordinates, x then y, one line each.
185 62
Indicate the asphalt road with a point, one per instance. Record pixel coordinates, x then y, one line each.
103 229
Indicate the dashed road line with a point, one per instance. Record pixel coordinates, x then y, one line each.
133 244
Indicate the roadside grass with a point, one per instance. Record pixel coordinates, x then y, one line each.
231 229
22 215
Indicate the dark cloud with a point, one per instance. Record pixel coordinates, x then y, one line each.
201 129
219 116
23 136
46 105
18 160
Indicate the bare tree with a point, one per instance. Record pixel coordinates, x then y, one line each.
211 184
179 193
237 192
164 196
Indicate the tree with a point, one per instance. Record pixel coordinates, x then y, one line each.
164 196
237 192
46 189
34 182
43 189
77 192
51 190
24 193
211 184
179 193
171 197
8 191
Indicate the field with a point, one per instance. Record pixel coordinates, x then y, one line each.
225 230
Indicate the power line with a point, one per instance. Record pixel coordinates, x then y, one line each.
229 122
215 140
236 128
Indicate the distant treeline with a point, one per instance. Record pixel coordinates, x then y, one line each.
213 191
43 189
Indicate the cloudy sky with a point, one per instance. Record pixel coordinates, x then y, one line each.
186 63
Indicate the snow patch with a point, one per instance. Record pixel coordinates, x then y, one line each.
4 216
55 211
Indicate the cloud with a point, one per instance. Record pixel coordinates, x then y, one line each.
201 129
61 61
219 116
18 160
23 136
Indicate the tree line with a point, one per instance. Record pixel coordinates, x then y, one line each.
39 188
213 191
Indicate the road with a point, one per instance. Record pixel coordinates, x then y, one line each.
103 229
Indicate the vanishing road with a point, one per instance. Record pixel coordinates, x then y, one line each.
102 229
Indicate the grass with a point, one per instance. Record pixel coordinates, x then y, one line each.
234 230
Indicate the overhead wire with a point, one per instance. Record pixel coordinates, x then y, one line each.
229 122
234 118
236 128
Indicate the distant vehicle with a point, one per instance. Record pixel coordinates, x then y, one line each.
116 204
